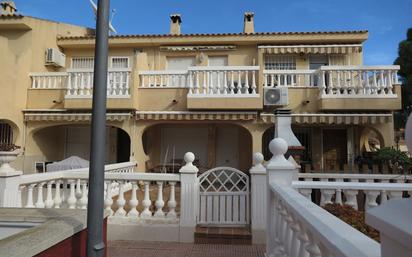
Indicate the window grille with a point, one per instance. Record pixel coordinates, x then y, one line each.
280 62
82 62
119 62
6 134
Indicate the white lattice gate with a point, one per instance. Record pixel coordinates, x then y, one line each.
223 197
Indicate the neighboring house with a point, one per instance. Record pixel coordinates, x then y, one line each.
206 93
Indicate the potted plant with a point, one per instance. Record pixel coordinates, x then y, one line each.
8 153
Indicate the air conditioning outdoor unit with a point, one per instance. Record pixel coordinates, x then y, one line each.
55 57
276 96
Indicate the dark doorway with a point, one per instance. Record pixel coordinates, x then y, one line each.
123 146
334 149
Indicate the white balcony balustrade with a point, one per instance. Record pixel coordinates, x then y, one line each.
339 81
224 81
358 81
164 79
49 80
290 78
79 83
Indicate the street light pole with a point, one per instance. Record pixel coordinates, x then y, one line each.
95 243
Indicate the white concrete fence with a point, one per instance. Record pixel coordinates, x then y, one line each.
209 81
339 81
296 227
282 215
78 83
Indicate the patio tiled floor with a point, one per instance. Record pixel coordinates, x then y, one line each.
166 249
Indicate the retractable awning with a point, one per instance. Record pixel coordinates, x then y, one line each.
71 116
311 49
333 118
187 115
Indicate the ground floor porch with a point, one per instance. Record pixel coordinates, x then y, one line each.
158 140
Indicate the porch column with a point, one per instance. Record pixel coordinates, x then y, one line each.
9 187
189 194
257 131
138 153
258 199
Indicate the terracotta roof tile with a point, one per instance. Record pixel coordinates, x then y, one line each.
11 16
218 34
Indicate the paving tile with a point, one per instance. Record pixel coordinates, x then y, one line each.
165 249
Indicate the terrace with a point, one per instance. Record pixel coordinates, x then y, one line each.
231 87
168 207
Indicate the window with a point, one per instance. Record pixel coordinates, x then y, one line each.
82 62
6 133
88 62
119 62
338 60
180 64
280 62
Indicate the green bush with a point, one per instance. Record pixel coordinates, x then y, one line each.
354 218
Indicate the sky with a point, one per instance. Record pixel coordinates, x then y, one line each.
386 21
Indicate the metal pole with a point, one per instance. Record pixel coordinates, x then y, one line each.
95 244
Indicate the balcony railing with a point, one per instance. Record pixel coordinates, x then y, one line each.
223 81
164 79
79 83
349 81
218 81
339 81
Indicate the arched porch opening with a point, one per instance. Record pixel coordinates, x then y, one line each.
54 143
213 144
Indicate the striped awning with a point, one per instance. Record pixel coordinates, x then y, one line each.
185 115
72 116
312 49
333 118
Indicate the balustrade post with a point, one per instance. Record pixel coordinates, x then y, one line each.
9 188
49 196
392 219
189 196
39 203
281 172
172 202
258 199
133 202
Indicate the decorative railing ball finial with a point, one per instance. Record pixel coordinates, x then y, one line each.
257 158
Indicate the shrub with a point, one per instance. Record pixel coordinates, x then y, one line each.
354 218
8 147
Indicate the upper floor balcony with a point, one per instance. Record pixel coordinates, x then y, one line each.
74 88
210 87
342 87
222 87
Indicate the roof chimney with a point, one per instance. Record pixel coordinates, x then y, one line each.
175 21
248 24
7 7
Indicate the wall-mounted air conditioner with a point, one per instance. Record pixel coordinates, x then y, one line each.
276 96
55 57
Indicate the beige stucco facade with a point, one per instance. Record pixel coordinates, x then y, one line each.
46 120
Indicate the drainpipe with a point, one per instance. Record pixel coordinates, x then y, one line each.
95 206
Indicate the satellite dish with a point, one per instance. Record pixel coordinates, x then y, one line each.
111 28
